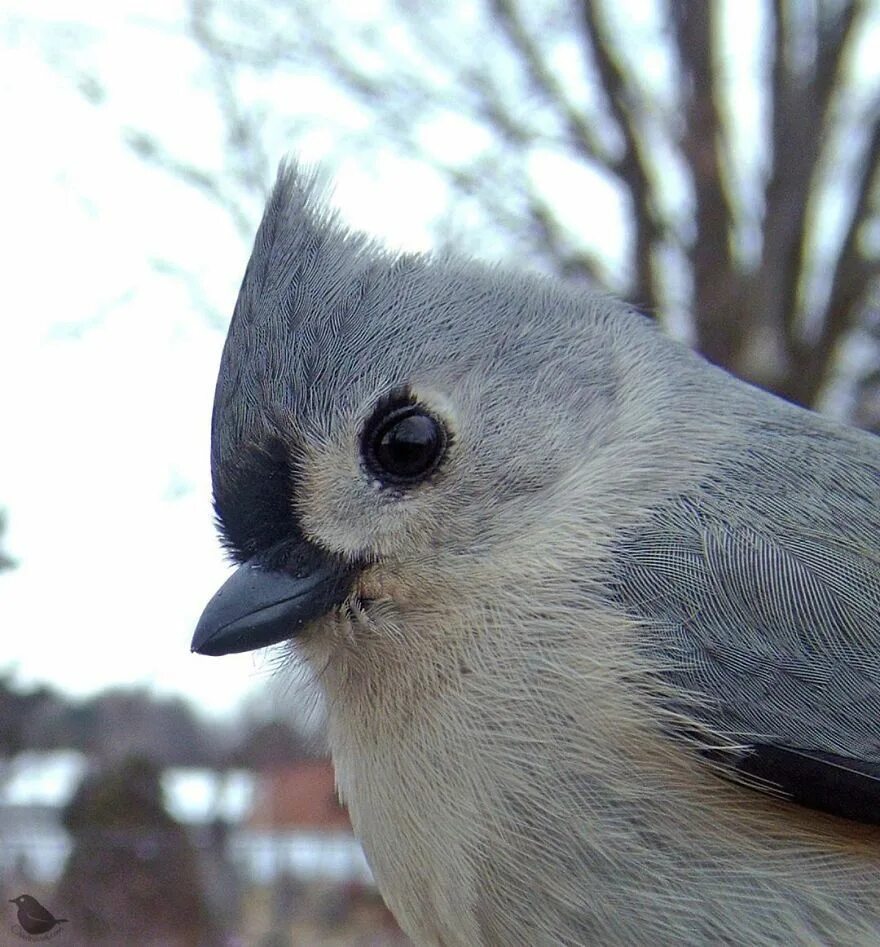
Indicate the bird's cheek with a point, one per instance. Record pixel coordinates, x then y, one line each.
384 584
374 585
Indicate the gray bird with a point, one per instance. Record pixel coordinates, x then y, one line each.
598 625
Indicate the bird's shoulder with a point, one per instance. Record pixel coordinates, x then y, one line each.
758 592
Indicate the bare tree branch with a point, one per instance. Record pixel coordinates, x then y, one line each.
834 43
802 118
582 136
851 284
496 69
153 152
633 166
244 141
721 323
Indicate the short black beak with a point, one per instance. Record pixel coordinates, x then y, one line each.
258 606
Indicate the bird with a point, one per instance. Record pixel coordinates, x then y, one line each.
597 624
33 917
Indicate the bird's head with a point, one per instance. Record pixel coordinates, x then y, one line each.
401 444
24 901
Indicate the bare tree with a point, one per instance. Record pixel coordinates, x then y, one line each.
756 234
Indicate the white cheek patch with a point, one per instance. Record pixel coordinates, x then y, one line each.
348 510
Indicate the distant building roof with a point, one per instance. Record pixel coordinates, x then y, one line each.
298 796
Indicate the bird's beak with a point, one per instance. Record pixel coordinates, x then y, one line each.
258 606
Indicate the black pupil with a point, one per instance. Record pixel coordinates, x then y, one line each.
408 446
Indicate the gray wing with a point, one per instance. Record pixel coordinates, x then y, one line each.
759 592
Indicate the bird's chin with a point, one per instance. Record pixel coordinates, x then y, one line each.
351 635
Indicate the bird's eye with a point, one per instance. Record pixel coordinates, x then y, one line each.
404 445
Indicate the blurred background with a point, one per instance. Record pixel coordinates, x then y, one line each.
716 163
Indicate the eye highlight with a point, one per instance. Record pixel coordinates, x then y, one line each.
403 445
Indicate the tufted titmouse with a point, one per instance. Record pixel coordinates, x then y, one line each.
598 625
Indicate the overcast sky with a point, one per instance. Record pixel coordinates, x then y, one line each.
107 366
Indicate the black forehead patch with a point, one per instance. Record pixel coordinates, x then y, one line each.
252 498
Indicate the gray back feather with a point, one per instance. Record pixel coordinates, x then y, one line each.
761 590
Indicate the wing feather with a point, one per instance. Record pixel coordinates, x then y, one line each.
759 593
